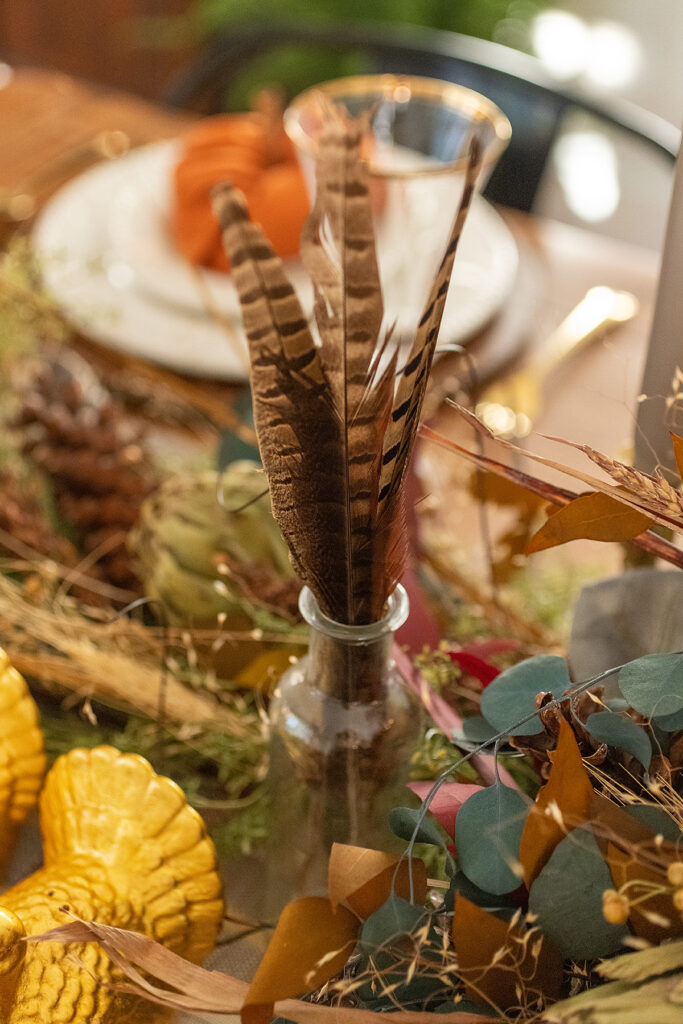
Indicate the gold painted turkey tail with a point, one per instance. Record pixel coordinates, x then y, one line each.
22 758
105 805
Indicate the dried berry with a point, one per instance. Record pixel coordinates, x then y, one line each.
615 906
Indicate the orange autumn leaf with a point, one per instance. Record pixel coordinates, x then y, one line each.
478 937
310 944
678 452
562 804
593 516
501 491
363 880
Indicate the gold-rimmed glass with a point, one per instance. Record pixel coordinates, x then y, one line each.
419 129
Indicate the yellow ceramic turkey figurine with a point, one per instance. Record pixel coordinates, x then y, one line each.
22 758
122 847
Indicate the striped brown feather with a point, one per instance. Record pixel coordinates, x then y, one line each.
412 383
338 249
334 429
297 429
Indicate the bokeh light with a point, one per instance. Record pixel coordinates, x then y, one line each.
607 54
588 173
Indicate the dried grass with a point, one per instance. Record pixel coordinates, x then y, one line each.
120 663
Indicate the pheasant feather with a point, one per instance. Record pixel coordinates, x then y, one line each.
334 419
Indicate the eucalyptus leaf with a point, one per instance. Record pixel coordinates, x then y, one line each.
567 899
402 822
475 730
656 819
460 883
512 694
670 723
653 685
488 830
622 733
394 918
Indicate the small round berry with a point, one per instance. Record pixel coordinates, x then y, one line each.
615 907
675 873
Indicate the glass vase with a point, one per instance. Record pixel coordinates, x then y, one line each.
343 728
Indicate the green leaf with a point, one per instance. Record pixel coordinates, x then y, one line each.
653 684
656 819
488 830
394 918
670 723
402 821
460 883
512 694
620 732
475 730
567 899
645 964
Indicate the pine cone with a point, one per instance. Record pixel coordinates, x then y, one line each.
25 529
94 455
621 766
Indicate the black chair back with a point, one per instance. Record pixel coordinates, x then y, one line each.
514 81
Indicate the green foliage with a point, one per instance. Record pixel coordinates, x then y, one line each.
657 819
394 918
476 19
27 311
488 830
638 993
434 753
567 899
296 68
460 883
476 730
403 821
653 685
219 773
512 695
670 723
621 732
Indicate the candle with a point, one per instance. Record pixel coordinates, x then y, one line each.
656 415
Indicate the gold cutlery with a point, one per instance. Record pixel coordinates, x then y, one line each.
509 406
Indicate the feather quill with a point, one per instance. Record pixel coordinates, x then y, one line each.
334 419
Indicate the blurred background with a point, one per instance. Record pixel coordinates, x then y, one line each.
611 49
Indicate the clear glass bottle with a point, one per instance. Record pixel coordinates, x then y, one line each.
343 728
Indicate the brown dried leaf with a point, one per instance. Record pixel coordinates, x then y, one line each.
311 943
487 486
203 991
479 936
651 542
363 880
592 516
562 804
197 988
632 500
612 823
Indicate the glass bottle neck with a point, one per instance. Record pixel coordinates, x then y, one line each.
351 663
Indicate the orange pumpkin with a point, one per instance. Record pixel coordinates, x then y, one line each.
253 152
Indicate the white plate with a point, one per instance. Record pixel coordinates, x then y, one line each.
109 261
